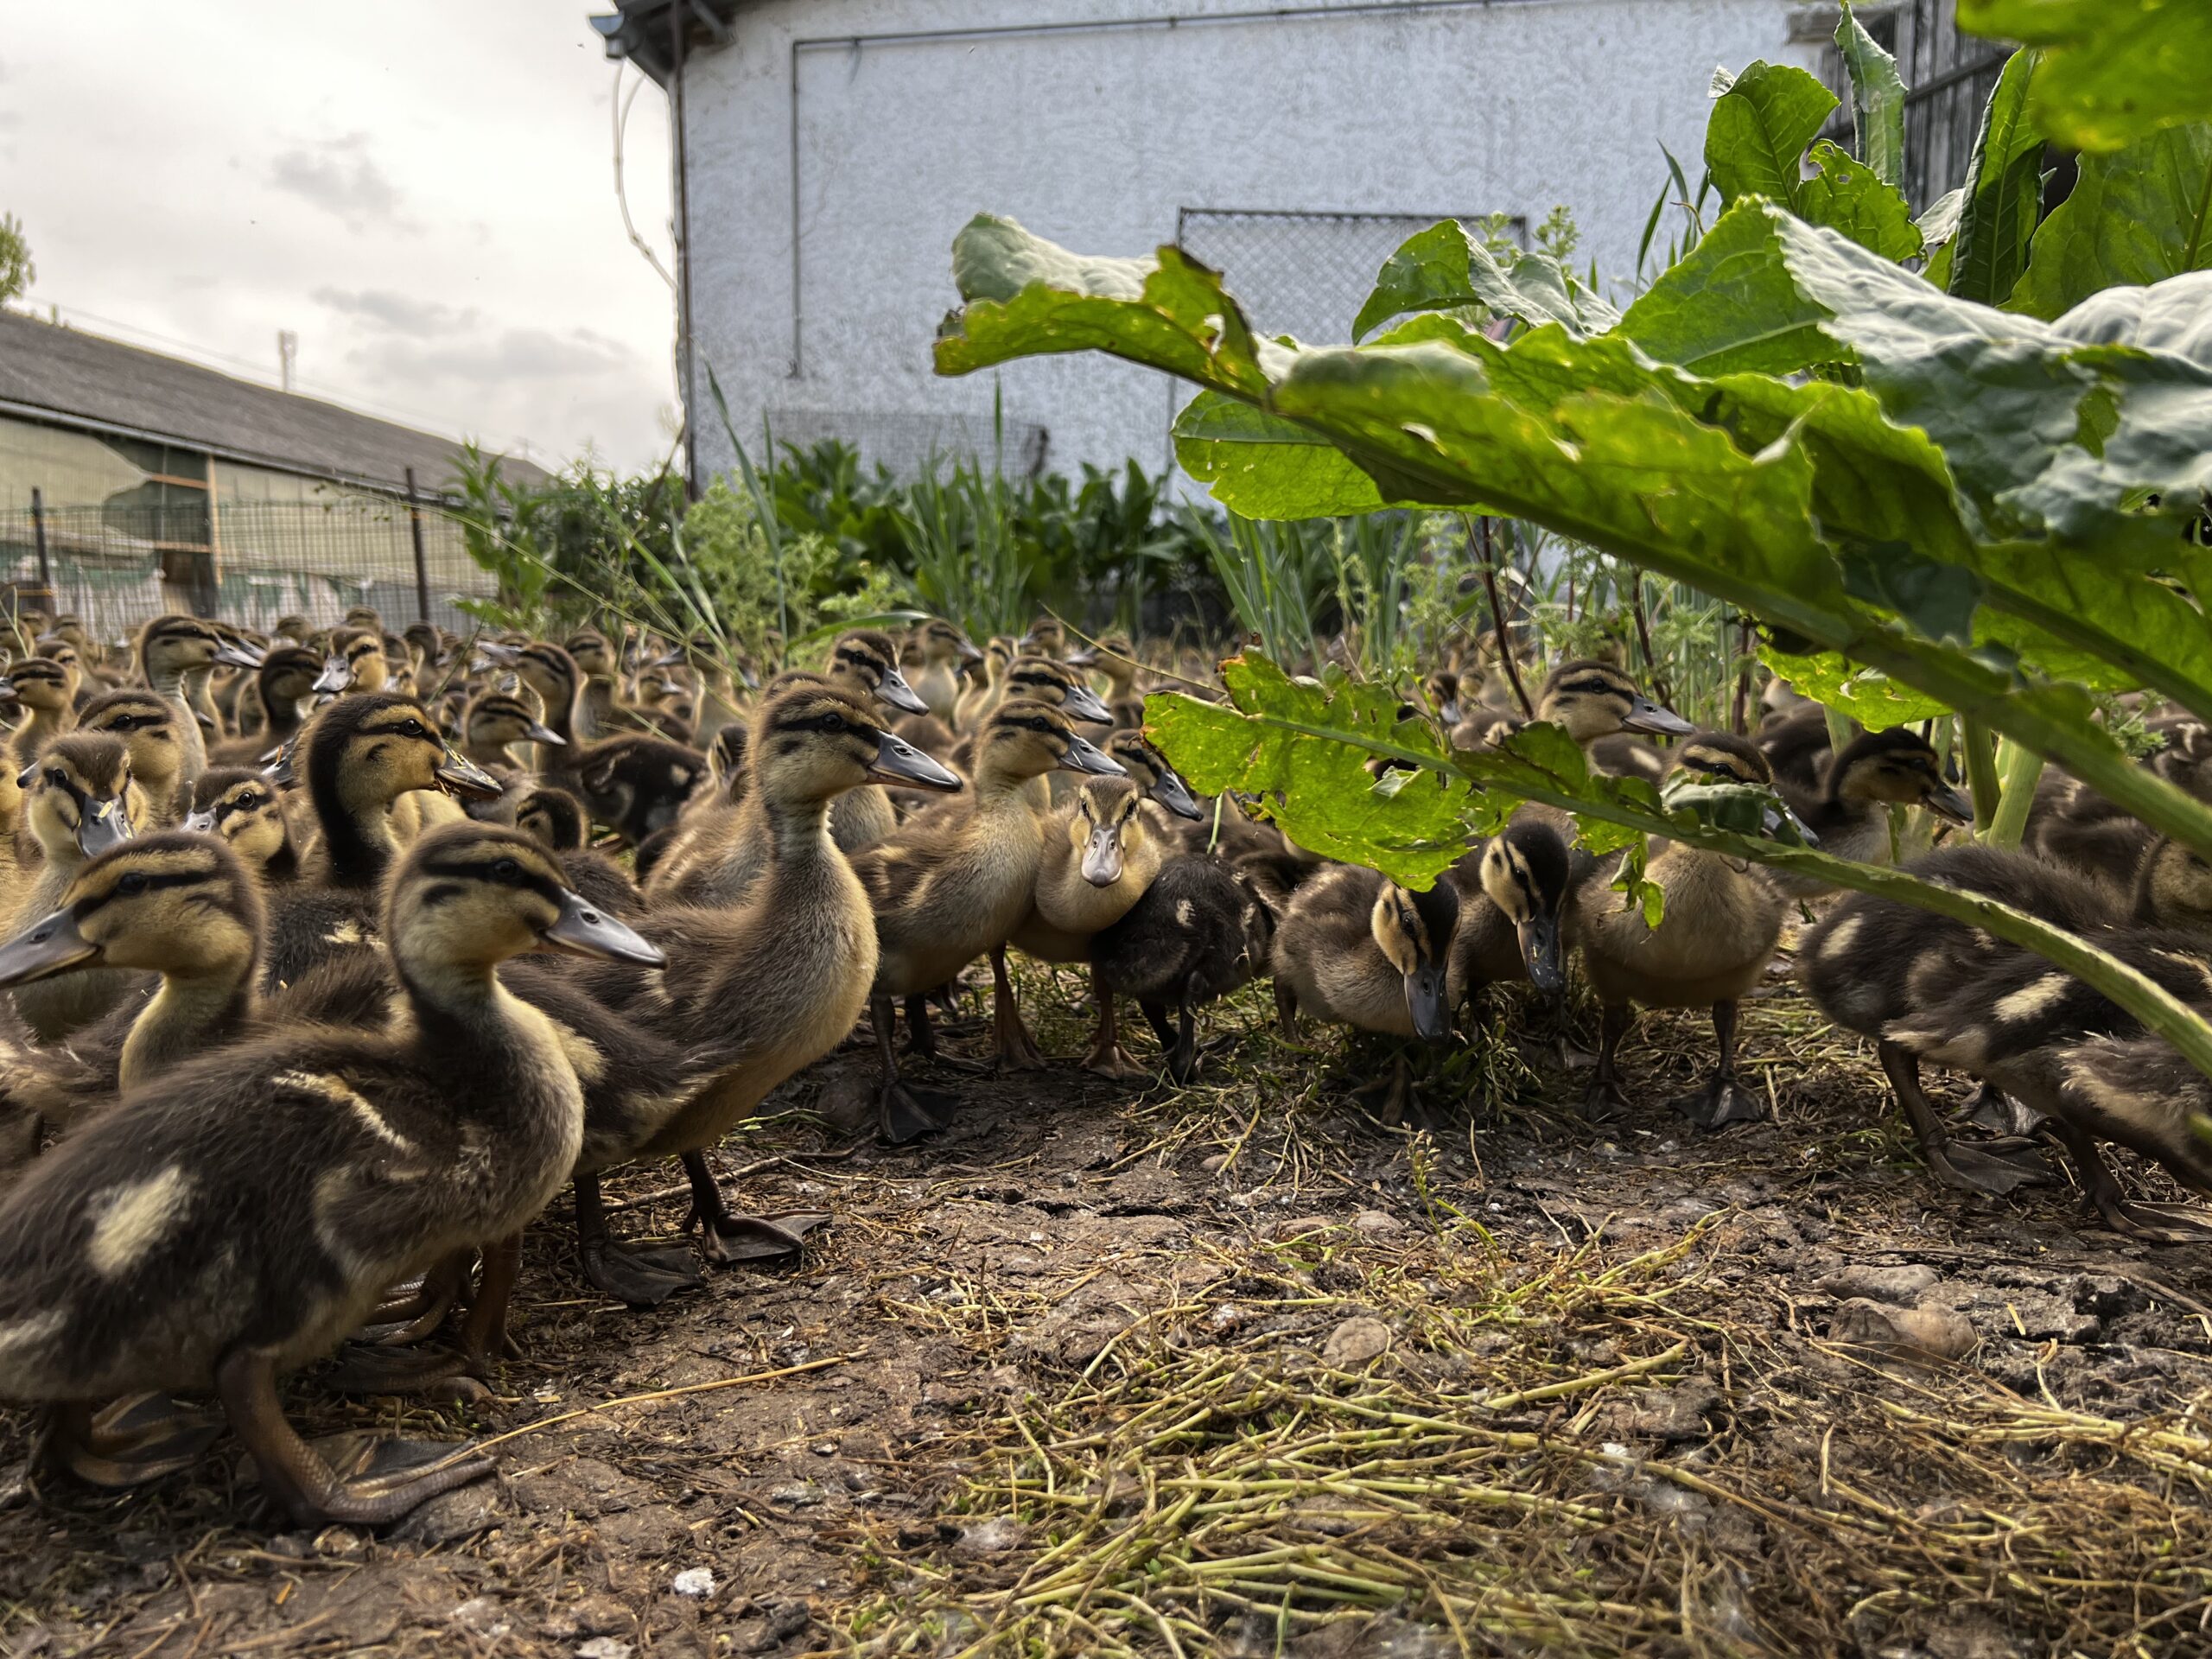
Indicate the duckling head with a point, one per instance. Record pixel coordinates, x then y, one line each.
288 676
495 719
593 655
998 652
294 628
1105 827
546 669
151 728
1592 699
1414 931
83 800
42 683
170 647
240 808
810 742
365 752
1442 686
367 668
864 663
2173 887
1898 766
1024 739
364 616
425 644
1153 775
945 643
1526 873
471 895
1059 685
1724 758
1046 638
69 659
637 784
170 903
553 818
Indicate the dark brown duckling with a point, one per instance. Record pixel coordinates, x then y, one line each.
555 819
1517 896
286 682
1200 932
636 785
1849 816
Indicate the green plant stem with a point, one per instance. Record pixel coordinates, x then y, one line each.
2022 769
1981 772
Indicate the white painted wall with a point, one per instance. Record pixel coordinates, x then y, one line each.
1096 135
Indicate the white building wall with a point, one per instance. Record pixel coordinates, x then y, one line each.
1098 131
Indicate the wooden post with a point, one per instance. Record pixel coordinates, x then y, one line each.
422 569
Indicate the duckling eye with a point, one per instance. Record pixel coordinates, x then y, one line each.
134 882
833 722
413 728
506 870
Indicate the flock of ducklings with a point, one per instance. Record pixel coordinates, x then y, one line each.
286 1063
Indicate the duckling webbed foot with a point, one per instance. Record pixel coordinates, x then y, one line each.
1992 1110
365 1492
439 1373
2154 1223
1992 1169
1604 1100
903 1114
640 1275
725 1238
139 1438
1722 1101
1107 1057
1016 1049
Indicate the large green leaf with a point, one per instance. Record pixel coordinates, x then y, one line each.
1762 120
2117 69
1264 466
1876 99
1850 197
1445 269
2137 216
1730 304
2002 192
1866 694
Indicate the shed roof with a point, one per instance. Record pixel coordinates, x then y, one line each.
69 378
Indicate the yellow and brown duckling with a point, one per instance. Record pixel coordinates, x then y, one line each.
81 801
986 684
1721 922
46 692
555 819
1597 703
954 884
1518 893
945 648
155 729
1200 932
1116 656
361 1158
286 683
1849 816
175 656
243 810
494 720
1150 771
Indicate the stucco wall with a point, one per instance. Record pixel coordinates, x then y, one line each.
1097 136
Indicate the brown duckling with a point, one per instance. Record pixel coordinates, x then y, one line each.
154 729
954 884
1150 771
1849 816
986 684
46 692
244 811
494 720
360 1159
1518 893
1595 703
1115 658
82 800
636 784
1199 932
175 656
555 819
944 647
1721 923
286 682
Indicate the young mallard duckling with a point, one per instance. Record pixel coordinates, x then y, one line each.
153 729
1441 687
82 801
864 665
1199 932
176 903
1849 816
359 1159
555 819
359 756
1516 900
1595 703
285 683
495 720
1114 655
1486 728
636 784
175 656
1047 638
986 684
1721 923
243 809
954 884
364 665
46 691
945 646
1149 770
754 991
554 678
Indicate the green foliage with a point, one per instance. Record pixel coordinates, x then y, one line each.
2137 215
1876 99
17 273
2002 195
1762 119
492 517
1446 268
2117 70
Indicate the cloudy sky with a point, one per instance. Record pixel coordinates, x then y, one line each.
421 190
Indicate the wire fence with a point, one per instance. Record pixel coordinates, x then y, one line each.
247 563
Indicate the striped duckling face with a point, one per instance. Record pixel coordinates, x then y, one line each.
810 741
944 643
42 683
1592 700
1724 758
82 800
376 747
864 663
1526 873
172 903
1105 827
171 646
151 728
1898 766
1025 739
496 719
1414 931
1158 779
240 808
471 895
1057 683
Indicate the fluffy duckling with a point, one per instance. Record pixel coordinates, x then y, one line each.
175 656
285 683
1441 687
243 810
954 884
1199 932
362 1160
359 657
1047 638
494 720
553 676
1721 923
986 684
555 819
1150 771
1849 816
1117 658
1517 896
758 990
636 784
155 731
82 801
46 691
1593 701
945 647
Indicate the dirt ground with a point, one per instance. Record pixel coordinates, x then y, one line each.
1239 1371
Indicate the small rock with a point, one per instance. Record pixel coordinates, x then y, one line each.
591 1616
1377 1221
1216 1164
825 1449
1926 1332
799 1495
695 1581
1301 1225
479 1614
1354 1341
604 1647
993 1537
1904 1286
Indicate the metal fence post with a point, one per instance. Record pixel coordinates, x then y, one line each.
422 569
38 538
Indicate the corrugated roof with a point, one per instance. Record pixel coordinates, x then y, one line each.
74 379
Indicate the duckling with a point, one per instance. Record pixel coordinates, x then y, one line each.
1518 893
1149 769
1850 816
44 691
1795 740
986 685
175 655
1098 864
759 989
367 668
358 756
599 713
364 616
1200 932
361 1159
176 904
864 665
1721 923
1441 687
945 646
1594 701
1356 949
82 802
556 820
1117 658
553 675
426 658
285 685
1047 638
952 885
152 727
1486 728
636 784
495 720
243 809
